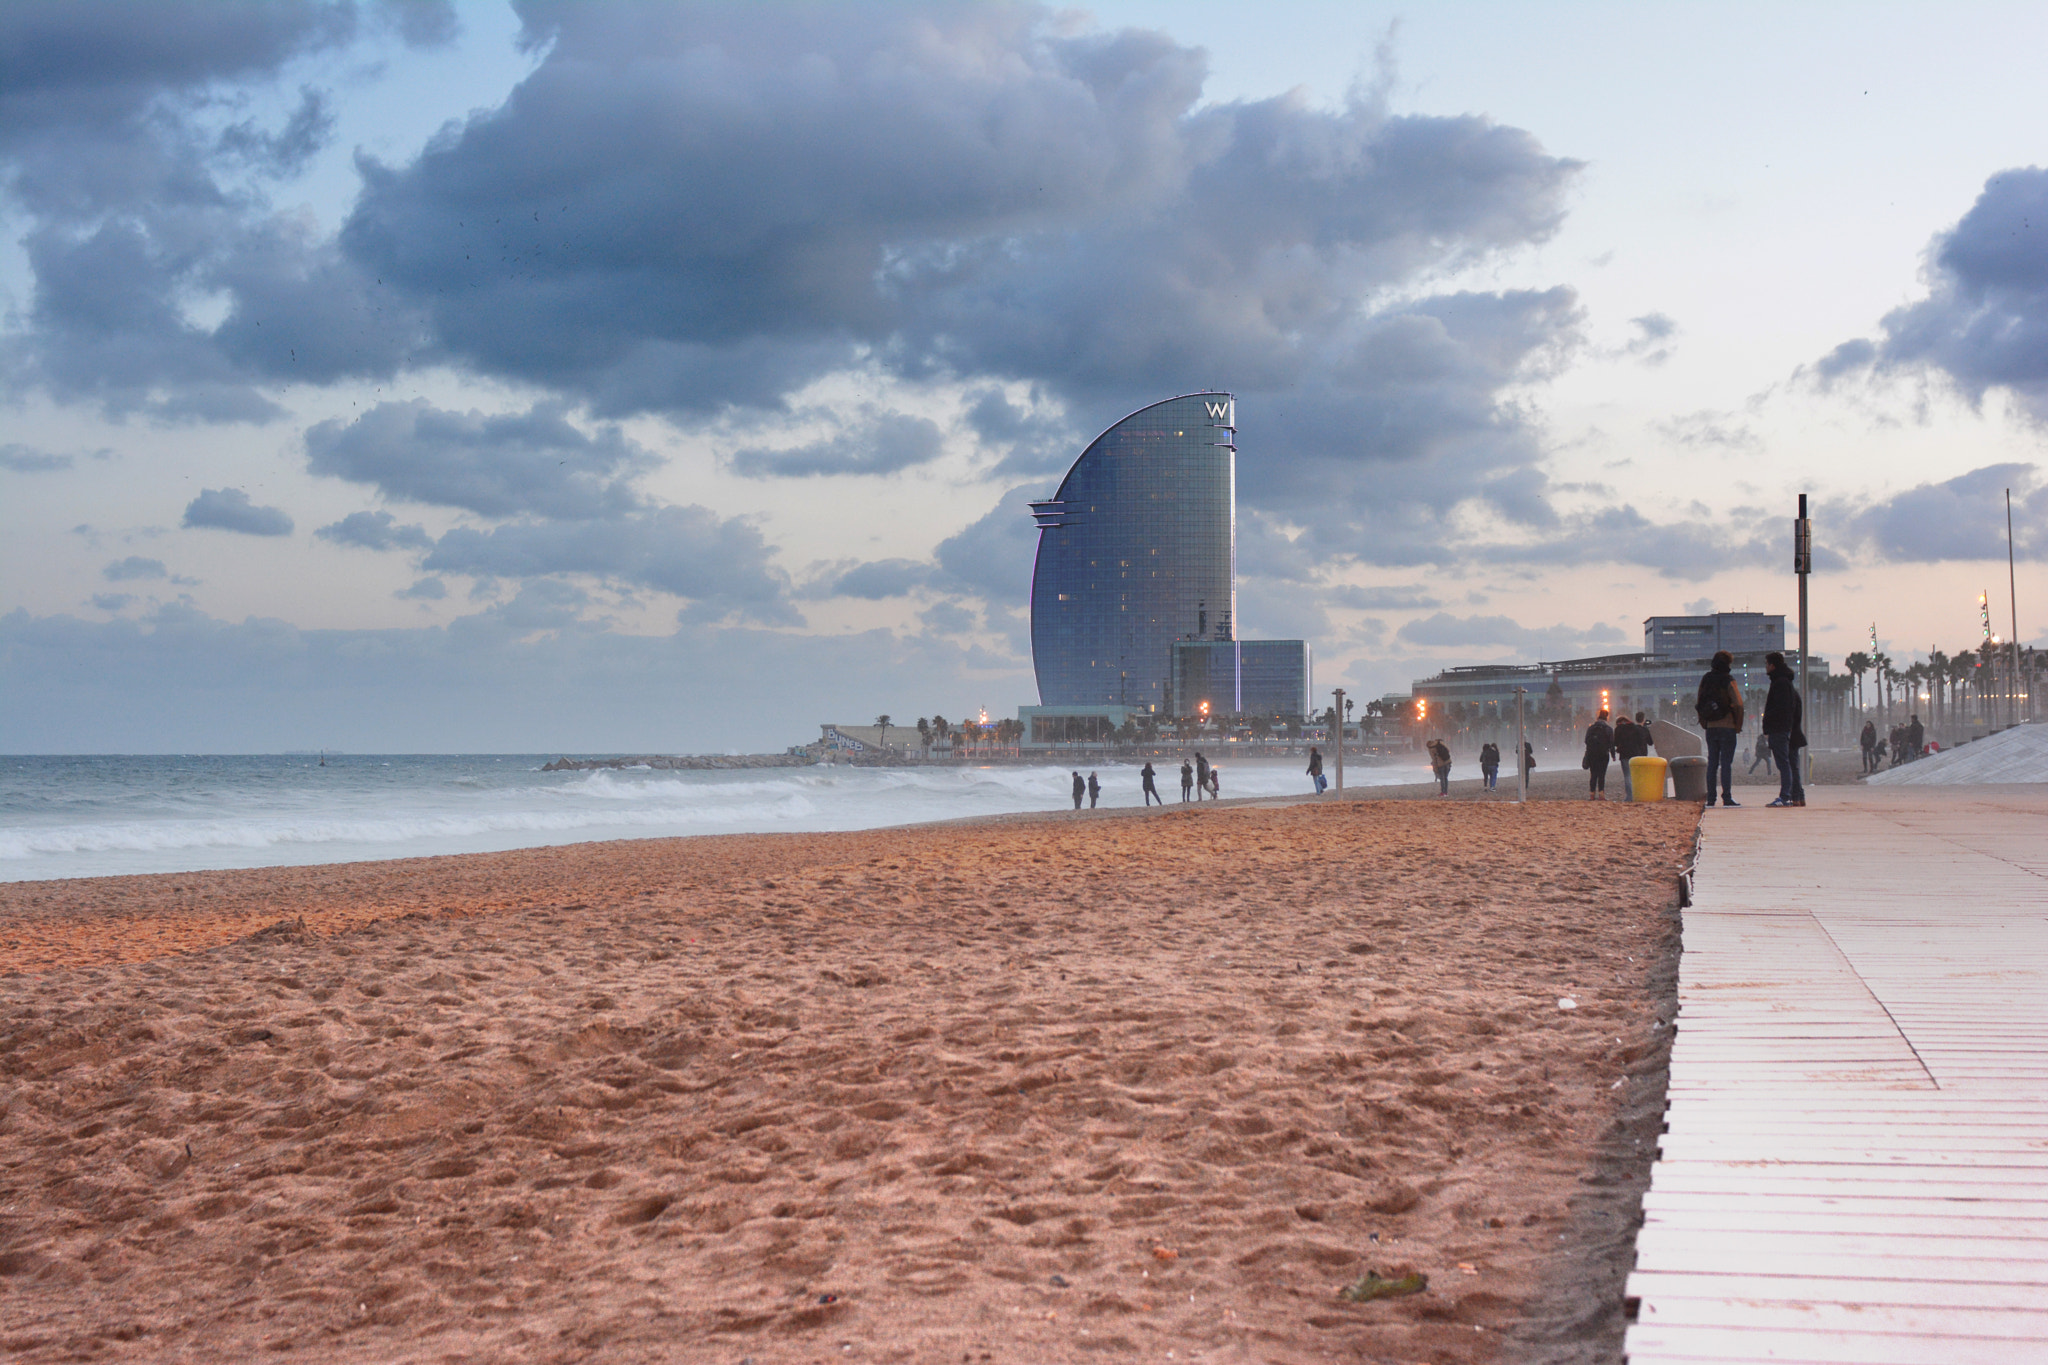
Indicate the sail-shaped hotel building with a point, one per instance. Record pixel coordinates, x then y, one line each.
1134 592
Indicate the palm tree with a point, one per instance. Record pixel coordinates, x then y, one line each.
1858 664
882 724
1881 665
924 735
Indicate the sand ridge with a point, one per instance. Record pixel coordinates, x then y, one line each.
1054 1090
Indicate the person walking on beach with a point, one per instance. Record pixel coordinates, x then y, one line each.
1094 791
1763 752
1080 790
1151 793
1783 712
1489 764
1187 779
1440 764
1215 783
1719 707
1868 743
1201 775
1599 749
1315 769
1631 741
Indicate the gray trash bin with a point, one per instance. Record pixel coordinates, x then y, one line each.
1688 779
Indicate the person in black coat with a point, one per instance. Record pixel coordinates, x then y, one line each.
1080 790
1599 749
1783 713
1631 740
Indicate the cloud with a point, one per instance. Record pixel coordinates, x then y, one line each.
1029 443
112 601
873 581
720 563
535 463
1650 344
1443 630
1709 430
134 567
1402 597
883 443
26 460
286 151
376 531
229 509
132 200
1984 322
1959 519
423 590
992 557
752 197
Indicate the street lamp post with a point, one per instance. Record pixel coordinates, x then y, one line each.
1337 724
1521 747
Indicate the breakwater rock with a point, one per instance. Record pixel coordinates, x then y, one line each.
681 761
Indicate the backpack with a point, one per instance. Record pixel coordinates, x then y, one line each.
1712 703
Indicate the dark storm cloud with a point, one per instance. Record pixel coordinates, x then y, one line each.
1959 519
1984 322
720 563
134 567
686 207
133 201
1029 443
882 443
229 509
501 465
376 531
25 460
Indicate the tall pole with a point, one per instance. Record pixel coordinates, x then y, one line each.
1802 564
2012 588
1337 724
1521 744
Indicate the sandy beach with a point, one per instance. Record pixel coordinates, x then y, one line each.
1041 1089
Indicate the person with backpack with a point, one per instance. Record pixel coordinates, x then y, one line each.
1783 712
1599 749
1440 764
1719 708
1315 769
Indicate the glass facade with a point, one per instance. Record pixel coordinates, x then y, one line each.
1136 550
1240 677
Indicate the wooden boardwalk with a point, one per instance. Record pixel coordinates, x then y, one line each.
1856 1161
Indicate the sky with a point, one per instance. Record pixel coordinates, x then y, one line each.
415 376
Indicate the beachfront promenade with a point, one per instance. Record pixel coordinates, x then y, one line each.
1856 1166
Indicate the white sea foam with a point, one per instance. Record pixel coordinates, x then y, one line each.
93 817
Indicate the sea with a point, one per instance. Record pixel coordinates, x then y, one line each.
110 815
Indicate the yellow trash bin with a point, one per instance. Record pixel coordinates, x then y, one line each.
1646 777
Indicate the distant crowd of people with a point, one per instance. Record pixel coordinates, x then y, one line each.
1905 743
1719 705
